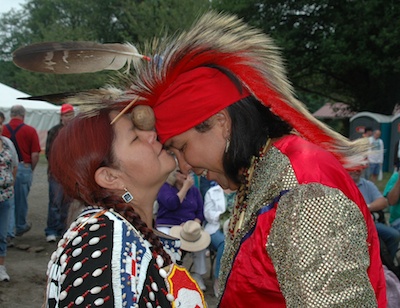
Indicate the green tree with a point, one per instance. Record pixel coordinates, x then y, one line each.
340 50
105 21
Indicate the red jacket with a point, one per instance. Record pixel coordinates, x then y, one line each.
253 279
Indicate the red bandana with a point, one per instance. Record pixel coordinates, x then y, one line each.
194 97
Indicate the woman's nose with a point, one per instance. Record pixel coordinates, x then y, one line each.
149 135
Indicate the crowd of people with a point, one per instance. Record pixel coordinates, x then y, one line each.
18 170
219 107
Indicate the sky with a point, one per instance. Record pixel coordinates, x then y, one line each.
7 5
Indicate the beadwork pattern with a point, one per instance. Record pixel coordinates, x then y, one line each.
273 171
102 247
240 207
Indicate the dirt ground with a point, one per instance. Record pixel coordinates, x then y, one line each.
27 268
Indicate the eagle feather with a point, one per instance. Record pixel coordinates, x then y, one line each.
76 57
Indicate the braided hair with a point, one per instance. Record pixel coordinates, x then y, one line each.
89 140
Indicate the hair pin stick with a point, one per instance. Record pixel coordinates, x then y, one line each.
124 110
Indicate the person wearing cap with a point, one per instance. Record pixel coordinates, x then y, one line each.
300 233
58 202
26 142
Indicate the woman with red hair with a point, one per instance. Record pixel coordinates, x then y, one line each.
110 255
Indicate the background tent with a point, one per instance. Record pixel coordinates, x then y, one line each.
394 140
334 111
336 115
40 115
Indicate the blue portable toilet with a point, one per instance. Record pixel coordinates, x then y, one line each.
394 138
365 119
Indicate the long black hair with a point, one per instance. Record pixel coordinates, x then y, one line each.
252 124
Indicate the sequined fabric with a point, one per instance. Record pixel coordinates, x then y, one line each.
315 229
318 245
273 172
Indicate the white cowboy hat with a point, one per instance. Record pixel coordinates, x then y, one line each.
193 237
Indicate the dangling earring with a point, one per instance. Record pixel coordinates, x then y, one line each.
228 142
127 196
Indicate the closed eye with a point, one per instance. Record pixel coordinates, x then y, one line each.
182 148
134 138
176 145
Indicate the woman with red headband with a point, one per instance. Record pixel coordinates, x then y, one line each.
300 234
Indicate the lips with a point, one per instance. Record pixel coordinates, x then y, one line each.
162 149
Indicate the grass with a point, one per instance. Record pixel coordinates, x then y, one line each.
42 158
381 184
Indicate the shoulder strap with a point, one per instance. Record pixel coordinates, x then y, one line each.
14 139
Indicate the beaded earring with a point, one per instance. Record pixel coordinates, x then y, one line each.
127 196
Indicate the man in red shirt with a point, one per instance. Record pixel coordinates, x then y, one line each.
26 141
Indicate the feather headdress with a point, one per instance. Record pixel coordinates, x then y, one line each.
250 55
227 42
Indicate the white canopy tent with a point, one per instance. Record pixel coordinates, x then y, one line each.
40 115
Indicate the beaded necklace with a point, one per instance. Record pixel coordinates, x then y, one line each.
241 201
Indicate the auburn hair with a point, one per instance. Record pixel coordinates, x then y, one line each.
81 147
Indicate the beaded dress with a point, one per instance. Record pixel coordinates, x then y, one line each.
306 238
103 261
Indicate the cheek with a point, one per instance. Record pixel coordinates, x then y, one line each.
212 149
142 170
134 159
199 156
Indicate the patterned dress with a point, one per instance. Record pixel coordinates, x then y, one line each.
103 261
307 238
8 160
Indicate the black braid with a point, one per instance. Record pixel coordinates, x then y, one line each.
127 211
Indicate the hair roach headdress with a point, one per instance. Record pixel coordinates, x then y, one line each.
183 66
227 42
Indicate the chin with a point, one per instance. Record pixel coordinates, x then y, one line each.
169 163
223 186
231 186
226 183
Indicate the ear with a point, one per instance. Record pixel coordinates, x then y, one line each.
223 119
107 177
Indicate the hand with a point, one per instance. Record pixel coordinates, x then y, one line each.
189 181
